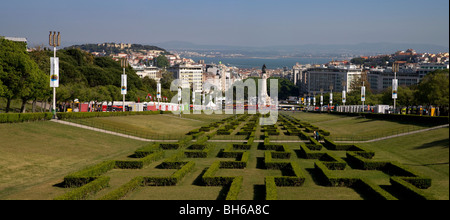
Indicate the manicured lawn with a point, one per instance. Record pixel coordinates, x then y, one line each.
355 128
43 152
158 127
34 158
426 153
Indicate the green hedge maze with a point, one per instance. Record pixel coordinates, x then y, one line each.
278 162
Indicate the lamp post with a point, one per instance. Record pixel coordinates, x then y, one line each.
54 40
124 64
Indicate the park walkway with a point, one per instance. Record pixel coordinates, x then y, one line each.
108 132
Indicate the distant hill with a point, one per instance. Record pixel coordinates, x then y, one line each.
114 48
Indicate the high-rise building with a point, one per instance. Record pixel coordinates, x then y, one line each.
189 74
317 79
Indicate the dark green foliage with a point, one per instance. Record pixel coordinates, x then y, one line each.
24 117
83 192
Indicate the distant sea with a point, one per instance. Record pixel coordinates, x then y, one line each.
271 63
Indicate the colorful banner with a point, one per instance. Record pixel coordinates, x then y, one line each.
344 96
54 72
394 88
158 87
124 84
363 94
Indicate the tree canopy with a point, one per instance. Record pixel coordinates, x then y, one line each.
20 76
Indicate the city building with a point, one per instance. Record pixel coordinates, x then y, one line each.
151 72
425 68
327 78
381 79
189 74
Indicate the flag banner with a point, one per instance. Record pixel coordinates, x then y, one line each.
54 72
363 94
124 84
179 94
158 95
343 96
331 98
394 88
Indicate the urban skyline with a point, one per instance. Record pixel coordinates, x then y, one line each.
232 23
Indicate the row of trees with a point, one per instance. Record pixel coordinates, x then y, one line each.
25 76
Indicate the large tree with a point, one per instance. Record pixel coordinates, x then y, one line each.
162 61
434 89
19 74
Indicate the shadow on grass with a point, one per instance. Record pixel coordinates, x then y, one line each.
199 181
441 143
317 179
259 192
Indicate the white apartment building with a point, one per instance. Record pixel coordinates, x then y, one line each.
189 74
151 72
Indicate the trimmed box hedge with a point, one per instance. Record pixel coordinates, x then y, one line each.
85 191
271 188
88 174
408 190
25 117
235 188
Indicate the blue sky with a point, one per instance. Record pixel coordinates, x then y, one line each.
230 22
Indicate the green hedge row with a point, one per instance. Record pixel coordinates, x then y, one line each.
235 188
83 192
271 188
363 186
170 180
198 151
309 153
240 163
391 168
80 115
141 181
295 176
141 163
363 162
210 180
147 150
90 174
408 190
24 117
330 179
124 189
235 183
330 161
